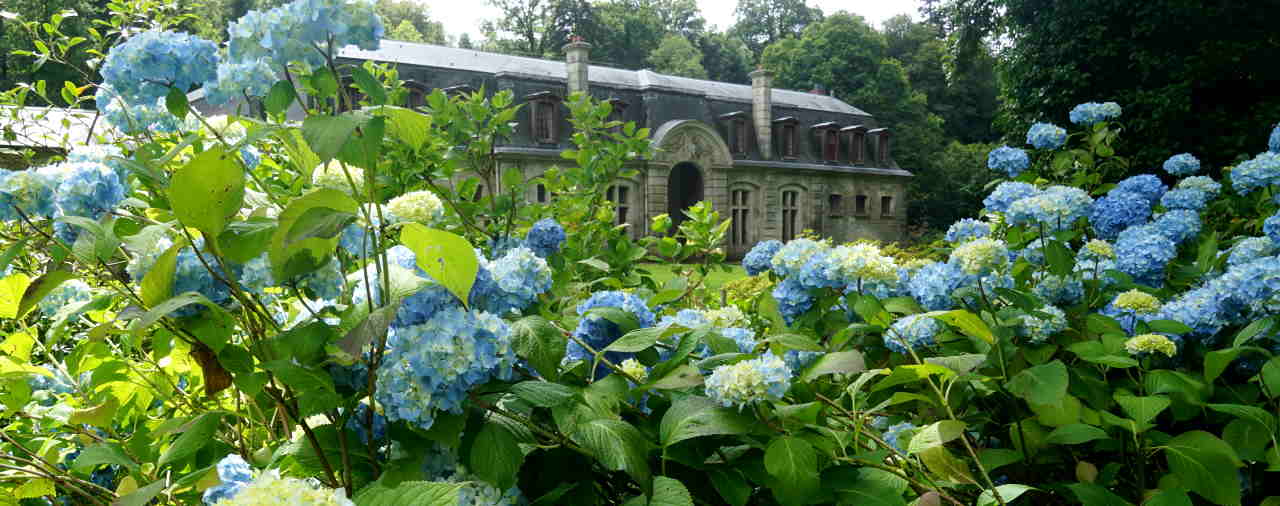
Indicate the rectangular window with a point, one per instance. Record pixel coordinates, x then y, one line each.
831 146
620 196
739 136
740 211
542 194
789 141
886 206
790 212
860 205
544 116
882 153
835 205
857 147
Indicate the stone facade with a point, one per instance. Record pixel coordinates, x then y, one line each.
773 185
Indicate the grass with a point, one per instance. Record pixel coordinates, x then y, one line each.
665 272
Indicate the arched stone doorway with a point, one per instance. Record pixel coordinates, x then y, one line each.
684 189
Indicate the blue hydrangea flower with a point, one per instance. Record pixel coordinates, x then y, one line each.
1046 136
744 338
1273 143
817 272
1057 208
1056 289
1143 252
760 258
931 285
1089 113
290 33
1038 328
798 360
1259 172
599 332
1205 184
1033 253
234 473
88 190
251 157
1271 227
520 276
912 331
239 80
1117 211
1250 249
1178 225
430 367
980 256
1185 198
500 246
793 255
30 191
1007 193
1184 164
793 299
145 66
134 118
760 379
1146 185
966 229
191 275
1096 269
545 237
358 423
1011 161
894 435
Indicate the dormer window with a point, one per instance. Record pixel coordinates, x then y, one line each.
543 109
418 92
856 141
827 135
739 133
786 128
882 145
461 91
617 108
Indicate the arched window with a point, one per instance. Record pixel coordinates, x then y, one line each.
791 223
741 199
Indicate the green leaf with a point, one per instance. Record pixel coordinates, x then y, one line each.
495 456
618 446
1252 330
1186 387
294 253
1271 377
543 394
33 488
315 390
669 492
98 454
1251 413
18 345
1007 492
535 339
198 434
168 306
1169 497
142 496
1042 384
321 222
371 329
946 466
416 493
792 341
1095 495
793 464
1206 465
1249 439
40 288
176 102
372 89
157 284
683 376
208 190
406 125
12 252
326 135
243 241
697 416
280 97
960 364
1075 434
1217 361
840 362
968 323
447 257
639 339
731 485
1169 327
935 435
864 486
994 458
625 320
1060 259
1142 409
911 373
12 288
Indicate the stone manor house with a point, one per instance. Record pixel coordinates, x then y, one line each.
775 161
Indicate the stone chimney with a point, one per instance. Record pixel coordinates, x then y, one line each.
577 62
762 110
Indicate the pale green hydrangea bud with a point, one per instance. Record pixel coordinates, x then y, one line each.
331 175
1138 301
635 369
981 256
271 488
1100 248
1147 343
420 206
728 316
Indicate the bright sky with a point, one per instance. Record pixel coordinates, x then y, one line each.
461 16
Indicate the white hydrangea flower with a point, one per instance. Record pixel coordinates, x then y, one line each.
1138 301
331 175
271 488
635 369
728 316
420 206
980 256
1147 343
232 131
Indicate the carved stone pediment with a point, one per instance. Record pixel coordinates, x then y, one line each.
691 141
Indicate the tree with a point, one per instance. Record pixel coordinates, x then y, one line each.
678 57
464 41
629 31
763 22
965 97
395 13
1184 88
405 32
726 58
537 28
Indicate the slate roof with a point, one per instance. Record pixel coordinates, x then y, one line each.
428 55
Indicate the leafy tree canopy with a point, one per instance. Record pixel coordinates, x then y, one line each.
677 56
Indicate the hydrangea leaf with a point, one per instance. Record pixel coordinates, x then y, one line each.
310 247
418 493
543 394
315 391
102 453
793 465
731 485
41 287
1007 492
447 257
34 488
280 97
1074 434
541 343
326 135
619 446
12 288
197 434
967 322
1206 465
935 435
406 125
157 284
142 496
368 85
841 362
1143 409
495 456
208 190
372 328
666 492
1042 384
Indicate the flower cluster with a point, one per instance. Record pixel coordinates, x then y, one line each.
1057 289
1142 252
1046 136
290 34
190 274
68 293
598 332
545 237
911 332
899 435
134 118
1250 249
933 284
332 175
420 206
1205 184
26 192
1185 198
766 378
1184 164
430 367
1057 208
238 80
1137 302
966 229
1117 211
1148 186
792 256
1038 328
1007 193
1258 172
271 488
980 256
148 64
520 276
1089 113
1148 343
1273 142
1011 161
760 258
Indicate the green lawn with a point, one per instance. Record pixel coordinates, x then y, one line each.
664 272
